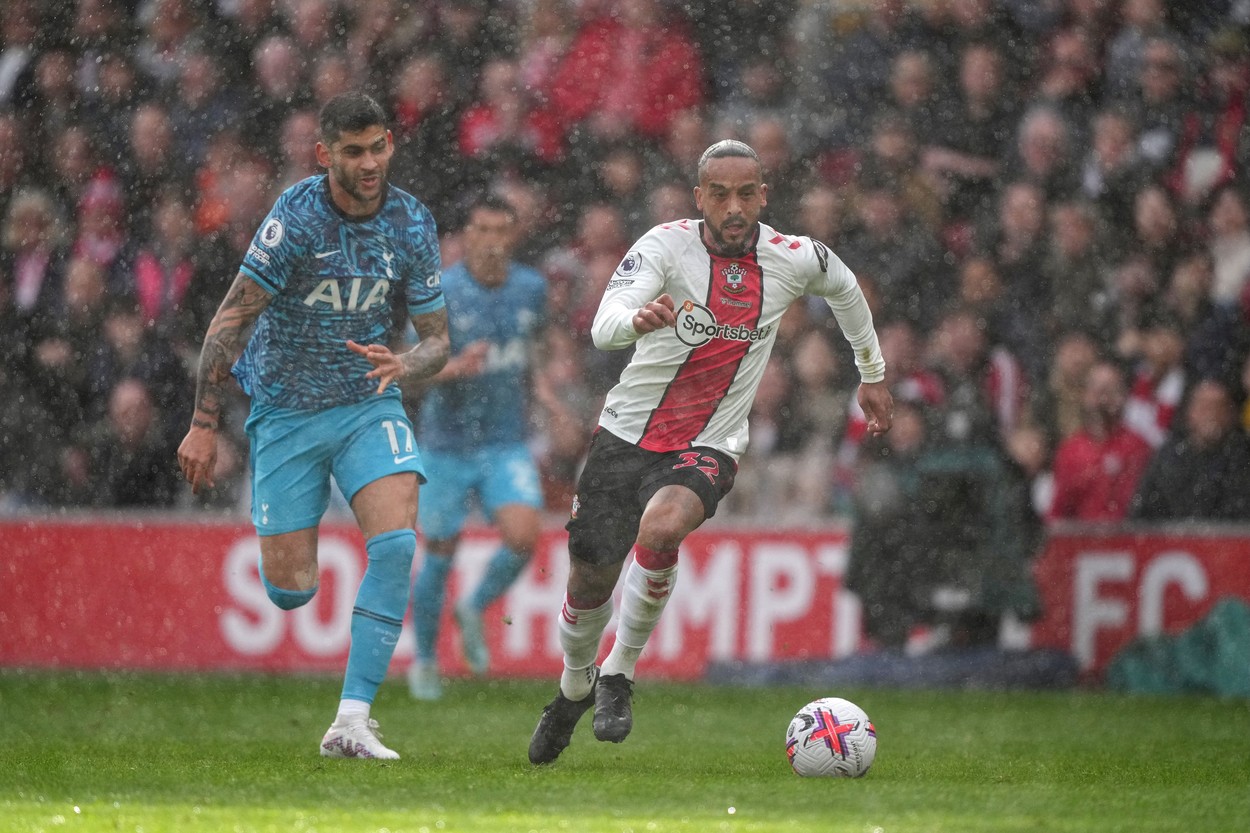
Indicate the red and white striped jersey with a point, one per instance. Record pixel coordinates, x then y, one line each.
694 384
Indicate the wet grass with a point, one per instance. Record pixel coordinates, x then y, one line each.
137 752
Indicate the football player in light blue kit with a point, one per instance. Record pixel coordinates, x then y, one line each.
335 255
473 433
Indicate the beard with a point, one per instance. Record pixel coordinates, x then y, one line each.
727 249
353 187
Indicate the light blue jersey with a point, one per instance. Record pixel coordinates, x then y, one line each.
333 278
488 409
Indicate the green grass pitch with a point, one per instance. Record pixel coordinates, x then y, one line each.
151 753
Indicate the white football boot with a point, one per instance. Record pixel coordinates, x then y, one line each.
356 739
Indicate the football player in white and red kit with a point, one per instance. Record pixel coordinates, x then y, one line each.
702 299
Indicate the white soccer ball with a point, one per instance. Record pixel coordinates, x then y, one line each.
831 737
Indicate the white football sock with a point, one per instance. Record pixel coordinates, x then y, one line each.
350 710
580 634
646 592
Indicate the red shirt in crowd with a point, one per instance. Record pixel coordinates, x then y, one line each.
642 78
1095 479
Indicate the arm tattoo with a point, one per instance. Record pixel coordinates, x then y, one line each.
227 333
430 354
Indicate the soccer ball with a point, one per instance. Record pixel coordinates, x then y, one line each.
831 737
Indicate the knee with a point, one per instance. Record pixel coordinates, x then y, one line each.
392 551
591 586
663 527
283 598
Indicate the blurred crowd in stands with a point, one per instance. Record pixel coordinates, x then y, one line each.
1045 200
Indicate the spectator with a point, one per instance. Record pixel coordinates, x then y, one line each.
1142 21
1159 379
1075 270
15 163
379 37
131 460
1058 406
785 173
844 78
61 349
427 160
546 34
501 128
678 150
1202 473
669 201
72 167
1213 150
107 111
56 102
910 381
619 175
893 154
1160 105
1043 153
32 259
99 28
465 35
913 92
19 31
242 33
1097 467
897 252
313 24
757 92
279 85
1112 173
129 349
822 214
1018 249
985 390
151 162
1067 83
972 136
331 75
1216 338
296 159
1228 223
163 266
1157 233
101 227
167 31
629 71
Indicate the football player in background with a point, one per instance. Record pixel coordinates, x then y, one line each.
473 433
337 252
701 300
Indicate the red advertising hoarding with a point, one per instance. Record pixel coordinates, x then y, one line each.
170 595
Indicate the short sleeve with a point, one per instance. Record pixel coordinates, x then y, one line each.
274 250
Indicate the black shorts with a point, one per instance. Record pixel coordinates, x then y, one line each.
618 480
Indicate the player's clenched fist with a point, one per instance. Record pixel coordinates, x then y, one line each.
655 314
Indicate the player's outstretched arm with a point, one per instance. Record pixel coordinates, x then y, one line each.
421 362
227 334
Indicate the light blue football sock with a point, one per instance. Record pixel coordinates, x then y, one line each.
428 591
378 615
502 570
285 599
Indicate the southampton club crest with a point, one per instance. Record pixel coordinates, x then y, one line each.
733 274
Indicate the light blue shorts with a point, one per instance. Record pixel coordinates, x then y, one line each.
498 476
295 453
